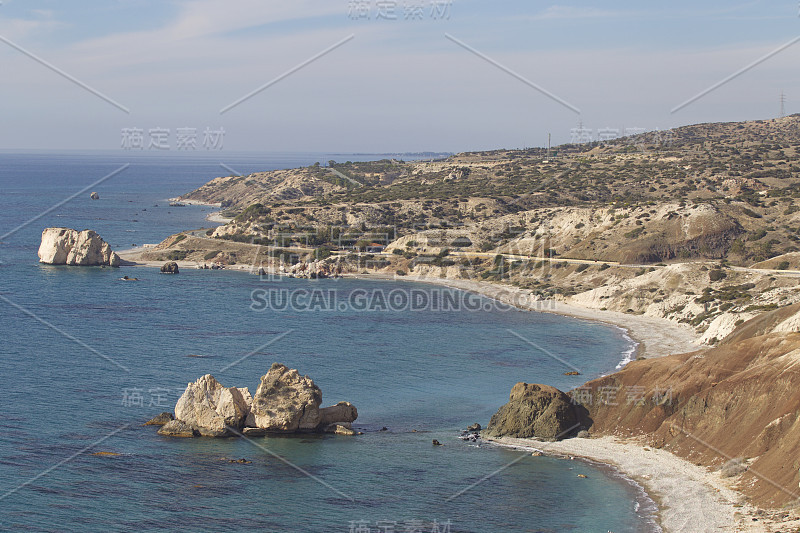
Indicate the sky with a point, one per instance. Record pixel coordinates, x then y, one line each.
375 76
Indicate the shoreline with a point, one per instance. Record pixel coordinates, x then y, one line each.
665 479
689 498
215 217
653 503
653 337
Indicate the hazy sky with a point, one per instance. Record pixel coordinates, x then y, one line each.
398 84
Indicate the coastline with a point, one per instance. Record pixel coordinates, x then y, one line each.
654 337
690 498
216 216
665 479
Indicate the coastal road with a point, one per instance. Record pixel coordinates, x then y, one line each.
345 177
200 234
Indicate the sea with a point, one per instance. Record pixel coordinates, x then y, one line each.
86 359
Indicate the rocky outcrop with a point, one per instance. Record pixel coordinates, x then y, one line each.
64 246
160 420
169 268
285 402
176 428
341 412
211 408
539 411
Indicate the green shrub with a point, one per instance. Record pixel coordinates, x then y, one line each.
177 255
634 233
716 275
323 252
211 254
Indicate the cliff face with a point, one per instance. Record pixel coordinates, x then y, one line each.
64 246
739 400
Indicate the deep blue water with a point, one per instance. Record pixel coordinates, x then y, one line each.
85 359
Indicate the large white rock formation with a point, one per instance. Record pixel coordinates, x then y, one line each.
64 246
285 402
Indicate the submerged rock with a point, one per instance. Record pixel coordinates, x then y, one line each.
176 428
64 246
539 411
160 420
340 429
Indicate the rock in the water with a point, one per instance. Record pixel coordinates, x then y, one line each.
340 429
211 408
474 427
94 196
64 246
537 411
160 420
342 412
285 401
176 428
246 396
169 268
254 432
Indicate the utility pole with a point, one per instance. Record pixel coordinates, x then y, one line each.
548 146
783 104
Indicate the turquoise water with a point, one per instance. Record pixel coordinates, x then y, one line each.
86 359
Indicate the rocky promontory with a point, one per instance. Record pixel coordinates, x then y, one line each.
285 402
734 407
537 411
64 246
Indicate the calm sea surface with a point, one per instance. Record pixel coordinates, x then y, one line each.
85 359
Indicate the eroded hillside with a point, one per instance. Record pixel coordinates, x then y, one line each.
735 406
698 225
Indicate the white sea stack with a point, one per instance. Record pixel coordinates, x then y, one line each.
64 246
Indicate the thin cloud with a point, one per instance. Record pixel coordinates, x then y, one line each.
560 12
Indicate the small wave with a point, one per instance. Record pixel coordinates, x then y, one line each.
627 356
